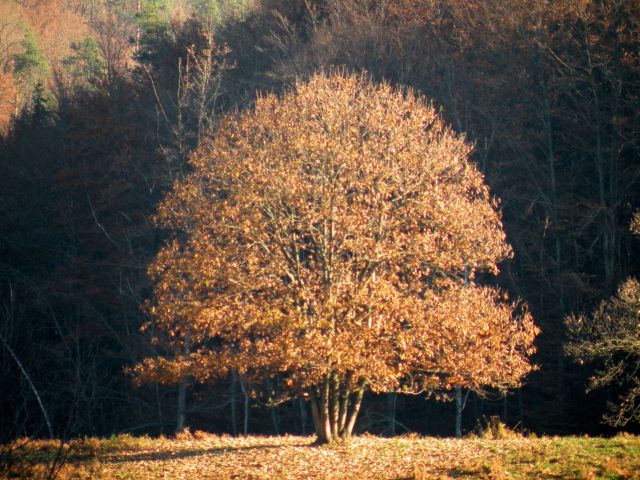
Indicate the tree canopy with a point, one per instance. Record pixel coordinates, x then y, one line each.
333 236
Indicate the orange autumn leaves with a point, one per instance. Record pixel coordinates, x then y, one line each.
333 235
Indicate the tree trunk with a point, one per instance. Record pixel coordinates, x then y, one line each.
182 406
315 415
391 412
234 411
335 408
138 29
33 387
344 404
458 412
245 394
303 417
461 402
158 403
325 412
505 410
273 409
356 409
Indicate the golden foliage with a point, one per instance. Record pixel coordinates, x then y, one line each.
57 25
326 236
635 224
8 96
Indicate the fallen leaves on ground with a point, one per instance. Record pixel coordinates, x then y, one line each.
205 456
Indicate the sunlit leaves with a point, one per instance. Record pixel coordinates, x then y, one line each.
329 233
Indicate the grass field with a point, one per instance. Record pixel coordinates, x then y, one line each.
205 456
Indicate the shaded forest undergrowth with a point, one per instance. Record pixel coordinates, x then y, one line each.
202 455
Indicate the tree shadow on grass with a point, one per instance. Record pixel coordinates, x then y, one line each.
168 455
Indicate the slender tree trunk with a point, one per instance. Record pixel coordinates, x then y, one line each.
505 410
275 420
317 418
520 406
476 409
326 425
182 406
245 394
245 426
138 29
335 407
391 412
158 403
234 410
351 423
461 402
33 387
303 417
344 404
273 410
458 391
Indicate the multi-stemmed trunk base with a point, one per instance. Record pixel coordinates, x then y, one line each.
335 407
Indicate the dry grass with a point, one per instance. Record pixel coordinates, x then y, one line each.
204 456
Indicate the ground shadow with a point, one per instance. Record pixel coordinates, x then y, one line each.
160 456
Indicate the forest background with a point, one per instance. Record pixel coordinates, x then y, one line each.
101 103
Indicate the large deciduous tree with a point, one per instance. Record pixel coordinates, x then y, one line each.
333 236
